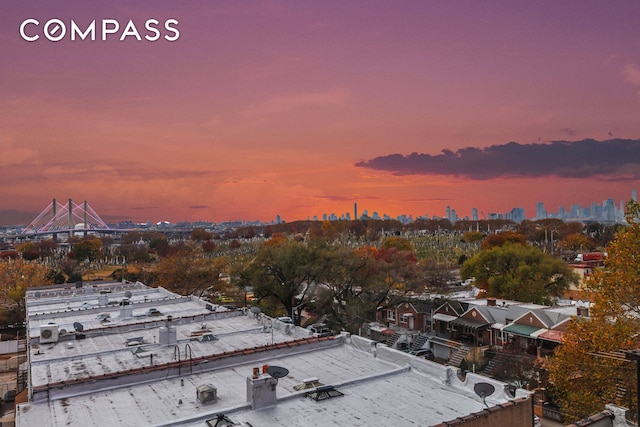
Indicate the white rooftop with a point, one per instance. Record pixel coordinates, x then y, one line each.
99 380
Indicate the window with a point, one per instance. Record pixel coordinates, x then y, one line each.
404 318
391 315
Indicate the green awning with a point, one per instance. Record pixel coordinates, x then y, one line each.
522 330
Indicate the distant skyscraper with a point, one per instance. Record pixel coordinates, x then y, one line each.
609 210
355 211
448 214
540 212
474 214
516 215
633 196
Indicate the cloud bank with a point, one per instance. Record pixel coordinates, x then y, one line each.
614 159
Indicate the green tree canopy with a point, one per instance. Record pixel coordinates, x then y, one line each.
519 272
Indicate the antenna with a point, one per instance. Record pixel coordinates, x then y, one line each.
484 390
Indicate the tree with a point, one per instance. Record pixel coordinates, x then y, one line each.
584 371
285 270
519 272
500 239
189 274
356 282
15 277
69 266
29 250
47 247
348 296
89 248
577 242
200 235
472 236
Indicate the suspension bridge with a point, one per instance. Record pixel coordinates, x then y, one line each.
58 218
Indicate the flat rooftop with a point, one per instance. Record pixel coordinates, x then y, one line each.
137 369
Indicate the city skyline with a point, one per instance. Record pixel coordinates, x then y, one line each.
607 212
281 108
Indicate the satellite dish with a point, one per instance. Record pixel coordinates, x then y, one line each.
128 294
78 326
484 389
277 371
63 331
255 309
37 294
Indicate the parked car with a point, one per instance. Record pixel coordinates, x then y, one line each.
536 421
319 330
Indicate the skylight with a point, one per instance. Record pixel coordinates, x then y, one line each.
323 393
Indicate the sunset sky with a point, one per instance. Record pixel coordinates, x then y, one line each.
303 108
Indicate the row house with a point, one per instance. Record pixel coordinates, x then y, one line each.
502 324
412 315
509 325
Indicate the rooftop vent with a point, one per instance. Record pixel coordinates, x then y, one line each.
206 393
323 393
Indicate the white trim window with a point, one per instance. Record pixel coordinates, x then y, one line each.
391 315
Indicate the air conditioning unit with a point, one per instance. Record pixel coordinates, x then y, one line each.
49 333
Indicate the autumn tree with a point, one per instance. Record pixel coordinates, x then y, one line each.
89 248
577 242
47 247
69 267
200 235
519 272
472 236
285 270
356 282
348 296
189 274
585 369
29 250
500 239
15 277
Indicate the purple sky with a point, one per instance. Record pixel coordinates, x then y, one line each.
303 108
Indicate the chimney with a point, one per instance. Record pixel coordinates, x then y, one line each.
167 333
103 299
491 302
126 309
261 390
